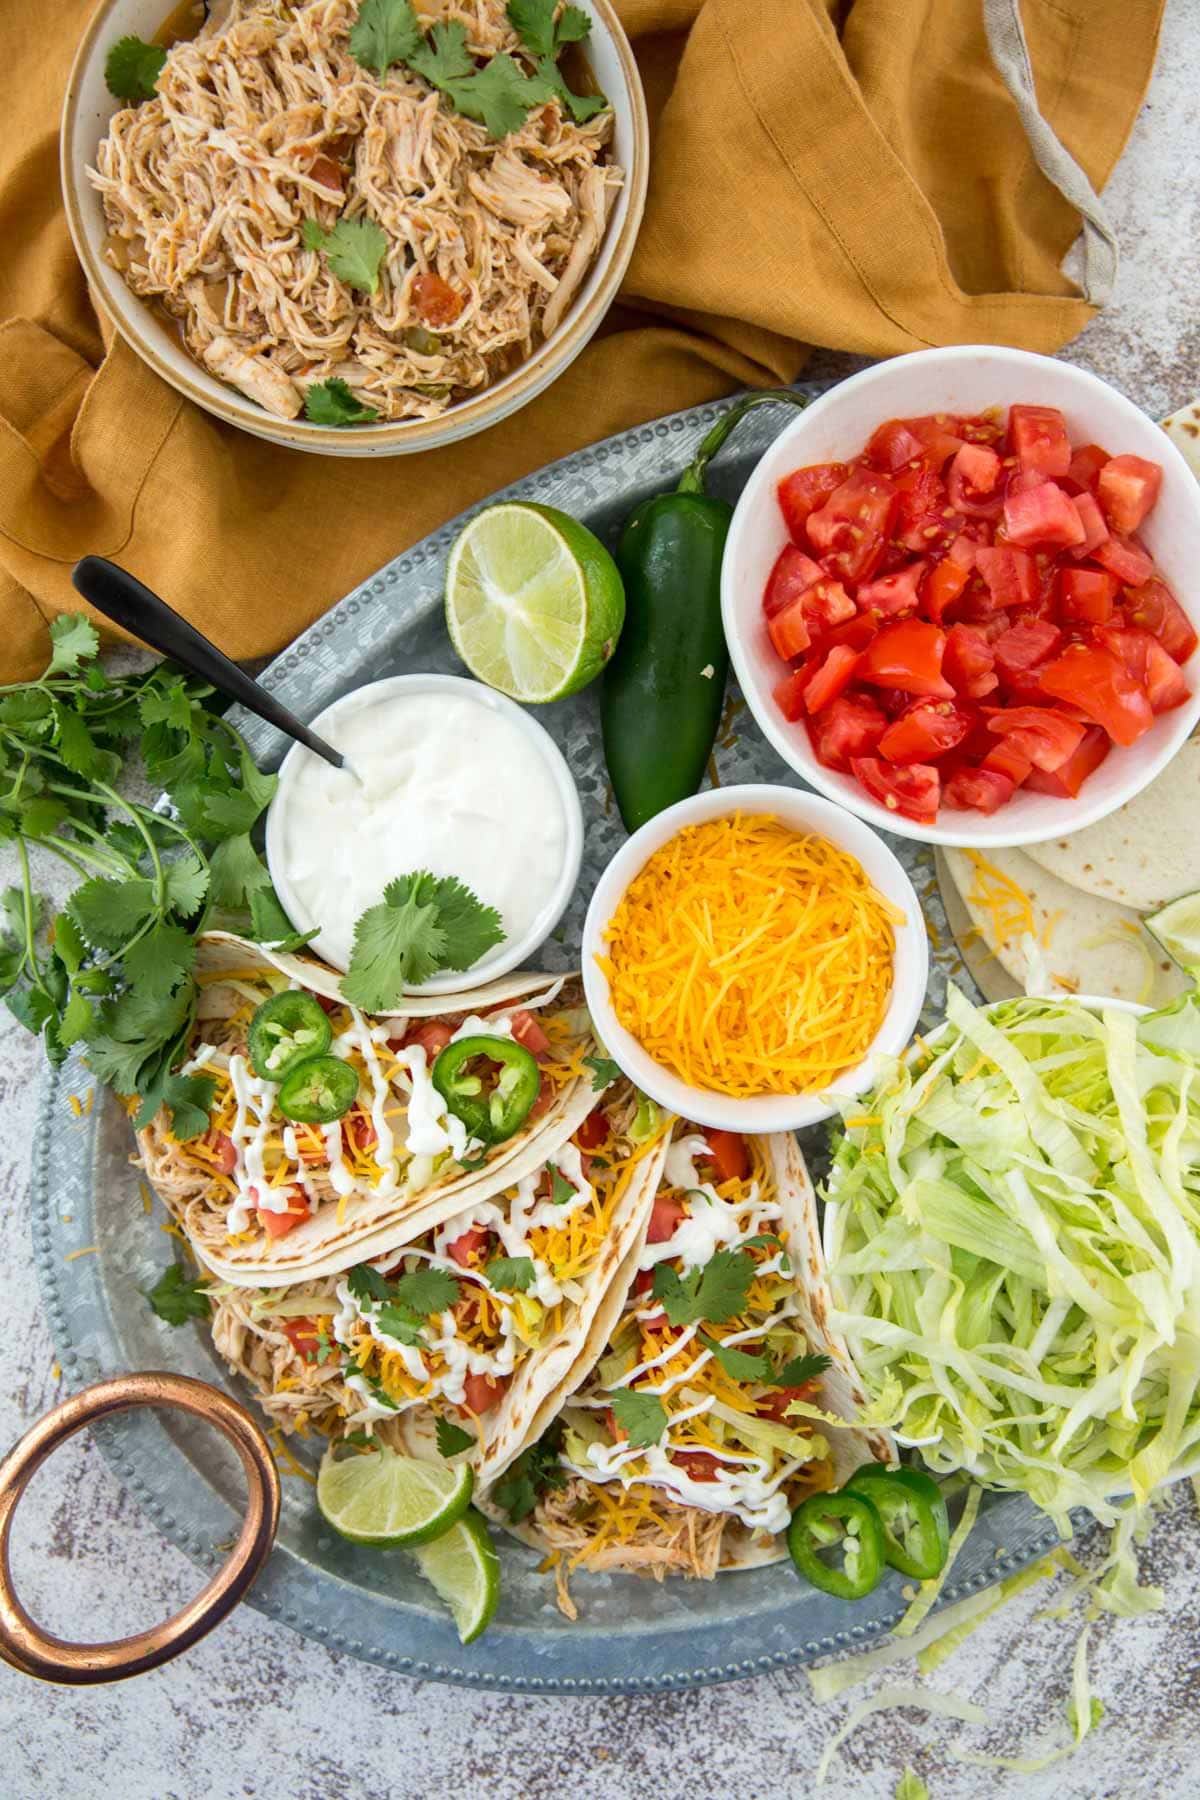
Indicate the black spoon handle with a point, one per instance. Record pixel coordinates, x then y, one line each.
122 598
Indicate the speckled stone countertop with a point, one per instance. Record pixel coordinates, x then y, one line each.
257 1711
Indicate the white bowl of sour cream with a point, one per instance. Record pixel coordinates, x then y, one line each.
448 776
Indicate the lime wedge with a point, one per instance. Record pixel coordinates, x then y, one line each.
391 1501
462 1566
534 603
1177 928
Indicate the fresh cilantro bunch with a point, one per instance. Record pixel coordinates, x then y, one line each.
423 924
401 1306
114 970
498 94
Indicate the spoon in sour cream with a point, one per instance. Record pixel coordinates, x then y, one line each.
125 600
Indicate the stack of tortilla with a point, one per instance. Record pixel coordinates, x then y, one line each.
1068 915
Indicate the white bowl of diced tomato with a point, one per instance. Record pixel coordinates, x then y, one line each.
962 596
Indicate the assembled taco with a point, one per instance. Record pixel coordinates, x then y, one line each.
477 1321
703 1418
331 1133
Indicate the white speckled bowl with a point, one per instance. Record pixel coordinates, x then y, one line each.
967 378
87 108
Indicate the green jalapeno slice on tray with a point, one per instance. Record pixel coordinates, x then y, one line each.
490 1083
916 1527
836 1542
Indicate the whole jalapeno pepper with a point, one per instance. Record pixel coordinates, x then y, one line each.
662 693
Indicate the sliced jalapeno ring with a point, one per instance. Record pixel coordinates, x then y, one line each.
319 1091
916 1527
490 1083
836 1542
286 1031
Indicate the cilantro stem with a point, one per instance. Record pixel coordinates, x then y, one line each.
32 961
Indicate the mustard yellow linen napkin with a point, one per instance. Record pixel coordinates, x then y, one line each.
854 176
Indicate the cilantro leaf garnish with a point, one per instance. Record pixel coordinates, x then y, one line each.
801 1369
399 1322
451 1438
443 57
545 40
738 1364
716 1292
177 1297
423 924
642 1417
386 31
426 1290
512 1274
380 1393
560 1188
499 96
132 69
332 403
367 1284
604 1072
354 249
325 1347
535 1472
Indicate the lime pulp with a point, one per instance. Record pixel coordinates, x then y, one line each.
389 1501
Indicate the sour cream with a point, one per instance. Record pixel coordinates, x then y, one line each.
443 775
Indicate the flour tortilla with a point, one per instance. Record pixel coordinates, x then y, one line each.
1144 854
370 1225
1088 945
840 1390
1183 429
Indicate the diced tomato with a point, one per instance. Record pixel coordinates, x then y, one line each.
969 661
973 485
728 1152
1127 560
925 521
224 1152
788 630
436 302
1067 781
1149 665
793 573
924 732
1020 653
303 1335
909 656
1092 520
592 1133
851 529
1092 679
803 491
1127 488
893 444
850 726
359 1128
788 694
940 435
912 791
1086 596
277 1224
827 605
775 1404
857 632
666 1216
481 1392
328 173
1085 466
469 1247
1042 517
1010 574
528 1032
542 1103
1038 438
1155 608
700 1465
892 594
948 578
431 1034
986 790
1048 738
1007 758
831 677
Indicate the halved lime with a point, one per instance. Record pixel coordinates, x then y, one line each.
534 603
1177 928
391 1501
463 1568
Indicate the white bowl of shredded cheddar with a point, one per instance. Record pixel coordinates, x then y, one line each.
749 956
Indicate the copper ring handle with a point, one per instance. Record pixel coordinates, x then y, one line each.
34 1651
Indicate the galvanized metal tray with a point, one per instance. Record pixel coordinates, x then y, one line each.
632 1636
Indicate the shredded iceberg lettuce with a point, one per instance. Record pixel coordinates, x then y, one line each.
1015 1255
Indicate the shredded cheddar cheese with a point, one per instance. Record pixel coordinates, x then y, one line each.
749 959
1009 906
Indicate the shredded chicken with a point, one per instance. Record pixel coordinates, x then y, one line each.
677 1540
264 121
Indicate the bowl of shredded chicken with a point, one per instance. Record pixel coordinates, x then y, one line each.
359 226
